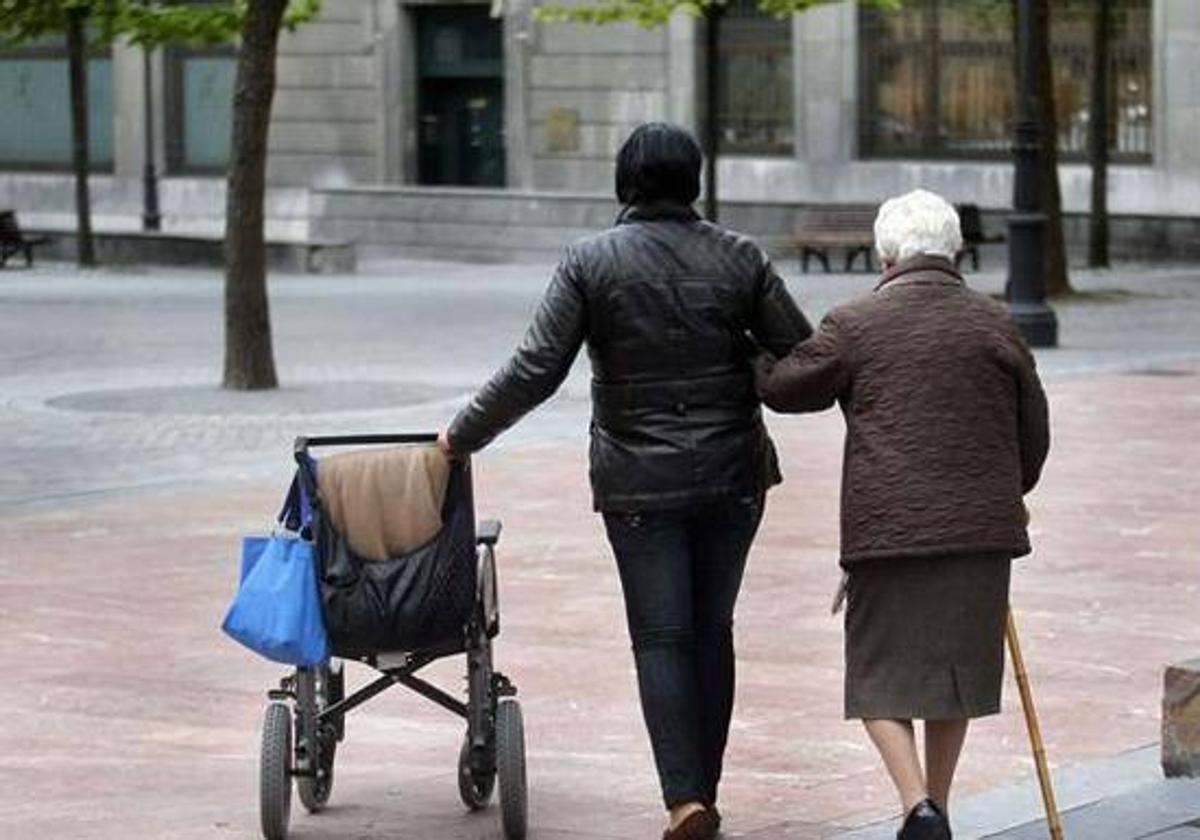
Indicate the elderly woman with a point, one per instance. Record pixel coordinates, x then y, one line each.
680 458
946 430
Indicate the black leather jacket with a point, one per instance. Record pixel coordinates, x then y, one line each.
666 303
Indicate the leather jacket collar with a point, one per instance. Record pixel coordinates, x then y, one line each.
935 270
657 211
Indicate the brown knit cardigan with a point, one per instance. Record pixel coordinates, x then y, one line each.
946 420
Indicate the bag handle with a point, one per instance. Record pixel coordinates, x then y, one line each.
297 511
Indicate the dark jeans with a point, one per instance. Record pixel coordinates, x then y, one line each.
681 572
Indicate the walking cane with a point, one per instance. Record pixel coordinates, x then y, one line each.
1053 820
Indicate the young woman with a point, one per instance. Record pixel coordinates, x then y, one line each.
946 429
680 459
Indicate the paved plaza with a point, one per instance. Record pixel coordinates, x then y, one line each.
127 478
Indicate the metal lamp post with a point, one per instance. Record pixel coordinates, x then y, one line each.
1026 289
151 218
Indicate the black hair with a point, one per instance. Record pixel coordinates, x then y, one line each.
659 162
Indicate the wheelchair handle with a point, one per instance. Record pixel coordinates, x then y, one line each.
303 443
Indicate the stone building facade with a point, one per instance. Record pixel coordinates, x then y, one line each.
463 129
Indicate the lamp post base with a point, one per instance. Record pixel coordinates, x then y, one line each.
1036 321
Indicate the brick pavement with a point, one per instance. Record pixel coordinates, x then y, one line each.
128 715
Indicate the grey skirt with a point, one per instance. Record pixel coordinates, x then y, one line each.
925 637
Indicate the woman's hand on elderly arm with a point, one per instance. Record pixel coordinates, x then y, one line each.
810 378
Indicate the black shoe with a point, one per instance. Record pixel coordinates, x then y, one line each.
925 822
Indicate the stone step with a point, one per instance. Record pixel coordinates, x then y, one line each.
312 256
1169 805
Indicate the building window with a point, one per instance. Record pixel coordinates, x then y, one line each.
939 79
754 109
199 107
35 90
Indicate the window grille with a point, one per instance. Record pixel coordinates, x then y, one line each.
755 98
938 79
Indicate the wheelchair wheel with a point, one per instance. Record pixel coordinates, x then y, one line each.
275 778
316 692
315 791
510 766
475 789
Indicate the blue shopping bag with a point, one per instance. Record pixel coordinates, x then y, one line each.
277 609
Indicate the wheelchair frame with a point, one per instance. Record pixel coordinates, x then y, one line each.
494 742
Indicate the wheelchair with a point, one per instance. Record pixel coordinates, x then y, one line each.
305 717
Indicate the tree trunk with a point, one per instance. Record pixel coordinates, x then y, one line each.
249 361
1098 137
1057 282
931 120
77 60
712 98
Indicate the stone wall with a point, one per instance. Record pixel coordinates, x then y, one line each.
468 224
478 224
506 225
46 201
589 86
324 124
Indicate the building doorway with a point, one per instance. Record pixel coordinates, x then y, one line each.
460 96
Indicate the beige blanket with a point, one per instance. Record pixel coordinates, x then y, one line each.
385 502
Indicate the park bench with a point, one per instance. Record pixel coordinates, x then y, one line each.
851 226
13 241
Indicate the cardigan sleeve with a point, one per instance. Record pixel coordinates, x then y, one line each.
810 378
1033 421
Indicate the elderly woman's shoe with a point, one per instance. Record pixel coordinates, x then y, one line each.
925 822
700 825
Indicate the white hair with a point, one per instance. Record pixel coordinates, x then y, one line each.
919 222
